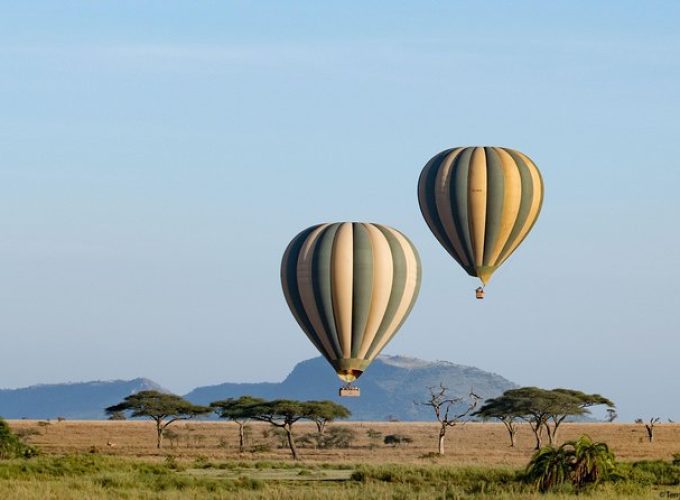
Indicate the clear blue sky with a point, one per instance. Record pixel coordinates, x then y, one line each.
156 157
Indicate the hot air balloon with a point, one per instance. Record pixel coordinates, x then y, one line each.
350 286
480 203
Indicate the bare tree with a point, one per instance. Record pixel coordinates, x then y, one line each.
443 406
649 427
611 415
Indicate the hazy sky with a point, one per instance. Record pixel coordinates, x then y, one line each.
156 158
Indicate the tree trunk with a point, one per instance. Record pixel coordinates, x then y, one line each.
159 431
549 432
511 432
556 425
291 442
537 434
241 446
650 433
442 435
321 426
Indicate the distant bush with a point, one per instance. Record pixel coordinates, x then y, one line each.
261 448
395 439
11 446
27 432
336 437
650 472
172 437
339 437
373 434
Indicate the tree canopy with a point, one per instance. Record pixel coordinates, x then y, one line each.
544 409
238 410
282 413
324 412
163 408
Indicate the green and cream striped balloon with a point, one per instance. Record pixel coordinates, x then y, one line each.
480 203
350 286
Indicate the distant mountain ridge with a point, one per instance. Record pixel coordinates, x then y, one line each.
74 400
389 388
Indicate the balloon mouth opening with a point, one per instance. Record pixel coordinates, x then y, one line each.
349 375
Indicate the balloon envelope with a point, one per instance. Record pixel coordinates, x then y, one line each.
480 203
350 287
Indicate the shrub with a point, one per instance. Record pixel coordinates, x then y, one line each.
373 434
578 463
336 437
655 472
26 432
550 467
11 445
339 437
395 439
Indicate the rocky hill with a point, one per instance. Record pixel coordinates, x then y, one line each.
388 388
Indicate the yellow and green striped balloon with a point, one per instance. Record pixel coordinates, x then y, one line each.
480 203
350 286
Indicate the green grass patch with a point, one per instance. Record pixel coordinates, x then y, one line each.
97 476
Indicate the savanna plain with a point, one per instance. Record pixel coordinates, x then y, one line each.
201 459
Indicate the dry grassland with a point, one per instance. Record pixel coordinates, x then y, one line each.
469 444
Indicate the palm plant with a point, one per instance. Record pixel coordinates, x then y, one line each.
550 467
592 461
579 462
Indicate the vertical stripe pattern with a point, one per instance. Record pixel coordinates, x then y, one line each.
480 203
350 287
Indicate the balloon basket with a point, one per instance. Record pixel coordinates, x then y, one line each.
479 293
349 391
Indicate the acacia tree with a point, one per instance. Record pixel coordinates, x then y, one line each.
542 409
442 405
324 412
162 408
538 407
239 411
564 407
532 405
282 413
503 409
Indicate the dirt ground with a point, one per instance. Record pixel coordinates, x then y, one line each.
471 443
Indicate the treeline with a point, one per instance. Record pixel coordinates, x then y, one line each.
164 409
544 410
